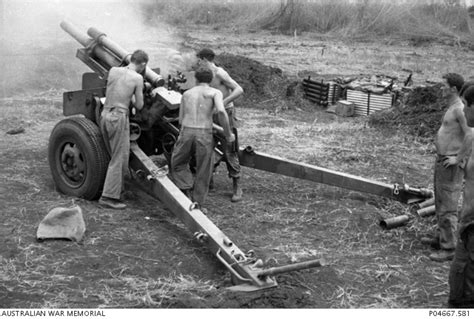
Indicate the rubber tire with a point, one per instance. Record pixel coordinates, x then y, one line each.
87 137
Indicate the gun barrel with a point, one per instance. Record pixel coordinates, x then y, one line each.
75 33
103 59
107 52
102 39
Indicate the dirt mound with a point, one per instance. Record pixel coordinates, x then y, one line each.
420 112
264 86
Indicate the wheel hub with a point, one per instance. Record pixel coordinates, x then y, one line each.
72 163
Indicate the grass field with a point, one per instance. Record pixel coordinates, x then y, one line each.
144 257
151 260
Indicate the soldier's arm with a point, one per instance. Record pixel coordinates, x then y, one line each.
139 93
222 114
468 136
230 83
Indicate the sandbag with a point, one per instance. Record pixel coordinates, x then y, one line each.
62 223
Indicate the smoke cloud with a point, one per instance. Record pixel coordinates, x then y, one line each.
39 56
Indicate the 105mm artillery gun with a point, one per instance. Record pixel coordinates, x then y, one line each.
78 158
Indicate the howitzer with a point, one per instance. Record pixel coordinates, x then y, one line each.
78 157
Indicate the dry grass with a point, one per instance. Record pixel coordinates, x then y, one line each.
26 274
323 140
368 267
185 13
30 110
385 263
417 21
143 292
144 257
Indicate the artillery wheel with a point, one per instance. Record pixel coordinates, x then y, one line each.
78 158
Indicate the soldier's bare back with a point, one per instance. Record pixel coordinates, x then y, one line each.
198 105
122 85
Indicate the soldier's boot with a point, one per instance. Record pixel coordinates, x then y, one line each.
237 195
442 255
111 203
431 241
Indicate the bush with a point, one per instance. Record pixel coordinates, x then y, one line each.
367 17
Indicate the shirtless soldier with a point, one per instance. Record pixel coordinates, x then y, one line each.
124 85
453 145
198 105
461 274
230 90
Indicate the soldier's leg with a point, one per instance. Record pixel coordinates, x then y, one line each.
182 151
448 186
461 274
125 152
115 123
204 167
469 272
449 191
232 160
233 168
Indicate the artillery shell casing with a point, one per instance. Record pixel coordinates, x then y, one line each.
427 211
394 222
426 203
